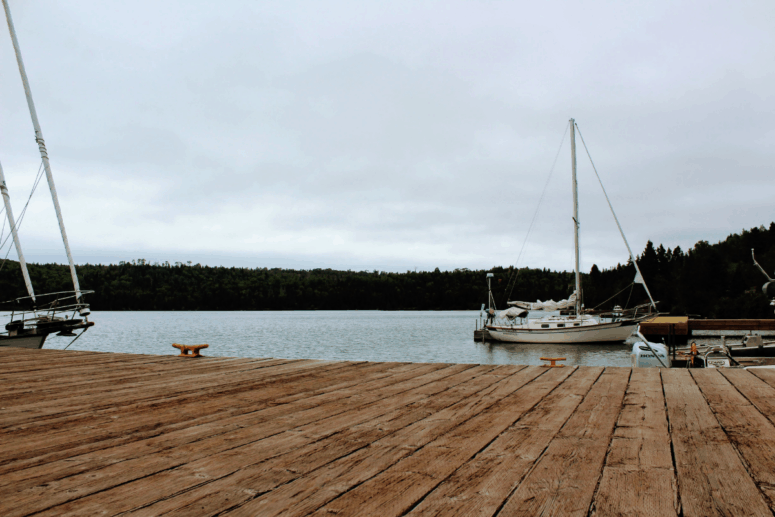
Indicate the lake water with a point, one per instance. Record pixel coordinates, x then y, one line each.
405 336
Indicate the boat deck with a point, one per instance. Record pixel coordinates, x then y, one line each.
85 433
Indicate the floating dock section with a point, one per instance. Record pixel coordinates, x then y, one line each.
86 433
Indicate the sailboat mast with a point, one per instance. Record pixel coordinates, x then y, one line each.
575 212
42 148
12 223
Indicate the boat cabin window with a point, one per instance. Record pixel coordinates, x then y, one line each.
544 325
576 324
561 324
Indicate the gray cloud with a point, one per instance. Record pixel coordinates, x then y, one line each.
345 134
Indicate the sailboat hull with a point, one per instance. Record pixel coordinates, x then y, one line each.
34 341
600 333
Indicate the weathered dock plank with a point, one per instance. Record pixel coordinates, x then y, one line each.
752 434
173 421
350 432
311 491
480 486
638 476
85 433
711 478
564 479
400 486
208 440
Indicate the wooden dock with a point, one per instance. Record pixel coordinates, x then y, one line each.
86 433
682 329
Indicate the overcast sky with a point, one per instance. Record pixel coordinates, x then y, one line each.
388 135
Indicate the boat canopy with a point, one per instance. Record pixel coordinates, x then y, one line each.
549 305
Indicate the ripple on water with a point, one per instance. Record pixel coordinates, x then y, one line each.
405 336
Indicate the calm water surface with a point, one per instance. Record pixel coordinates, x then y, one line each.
406 336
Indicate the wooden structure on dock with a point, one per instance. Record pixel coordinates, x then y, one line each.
681 329
86 433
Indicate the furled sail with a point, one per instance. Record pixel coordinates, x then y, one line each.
511 313
549 305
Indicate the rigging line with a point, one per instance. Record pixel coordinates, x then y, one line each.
76 338
2 232
617 294
2 265
515 273
615 218
18 223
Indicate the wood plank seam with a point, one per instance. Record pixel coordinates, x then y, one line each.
462 422
494 439
440 369
355 450
591 510
223 384
677 493
714 479
768 415
244 415
484 406
264 408
560 482
730 439
190 397
92 441
758 463
542 454
639 455
457 400
505 412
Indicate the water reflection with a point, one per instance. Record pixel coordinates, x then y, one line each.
590 354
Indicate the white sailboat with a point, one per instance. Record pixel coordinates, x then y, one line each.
578 326
35 317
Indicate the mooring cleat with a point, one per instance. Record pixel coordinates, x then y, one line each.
553 359
185 349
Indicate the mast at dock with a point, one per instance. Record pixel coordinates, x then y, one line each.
43 152
12 224
575 211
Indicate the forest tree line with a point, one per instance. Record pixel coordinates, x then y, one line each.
709 280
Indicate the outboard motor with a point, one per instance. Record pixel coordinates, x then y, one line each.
649 355
718 357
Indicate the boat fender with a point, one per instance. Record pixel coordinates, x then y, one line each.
15 325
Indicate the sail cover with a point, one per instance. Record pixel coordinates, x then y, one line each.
511 313
549 305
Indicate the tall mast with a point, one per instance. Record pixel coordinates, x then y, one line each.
575 211
9 213
42 148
